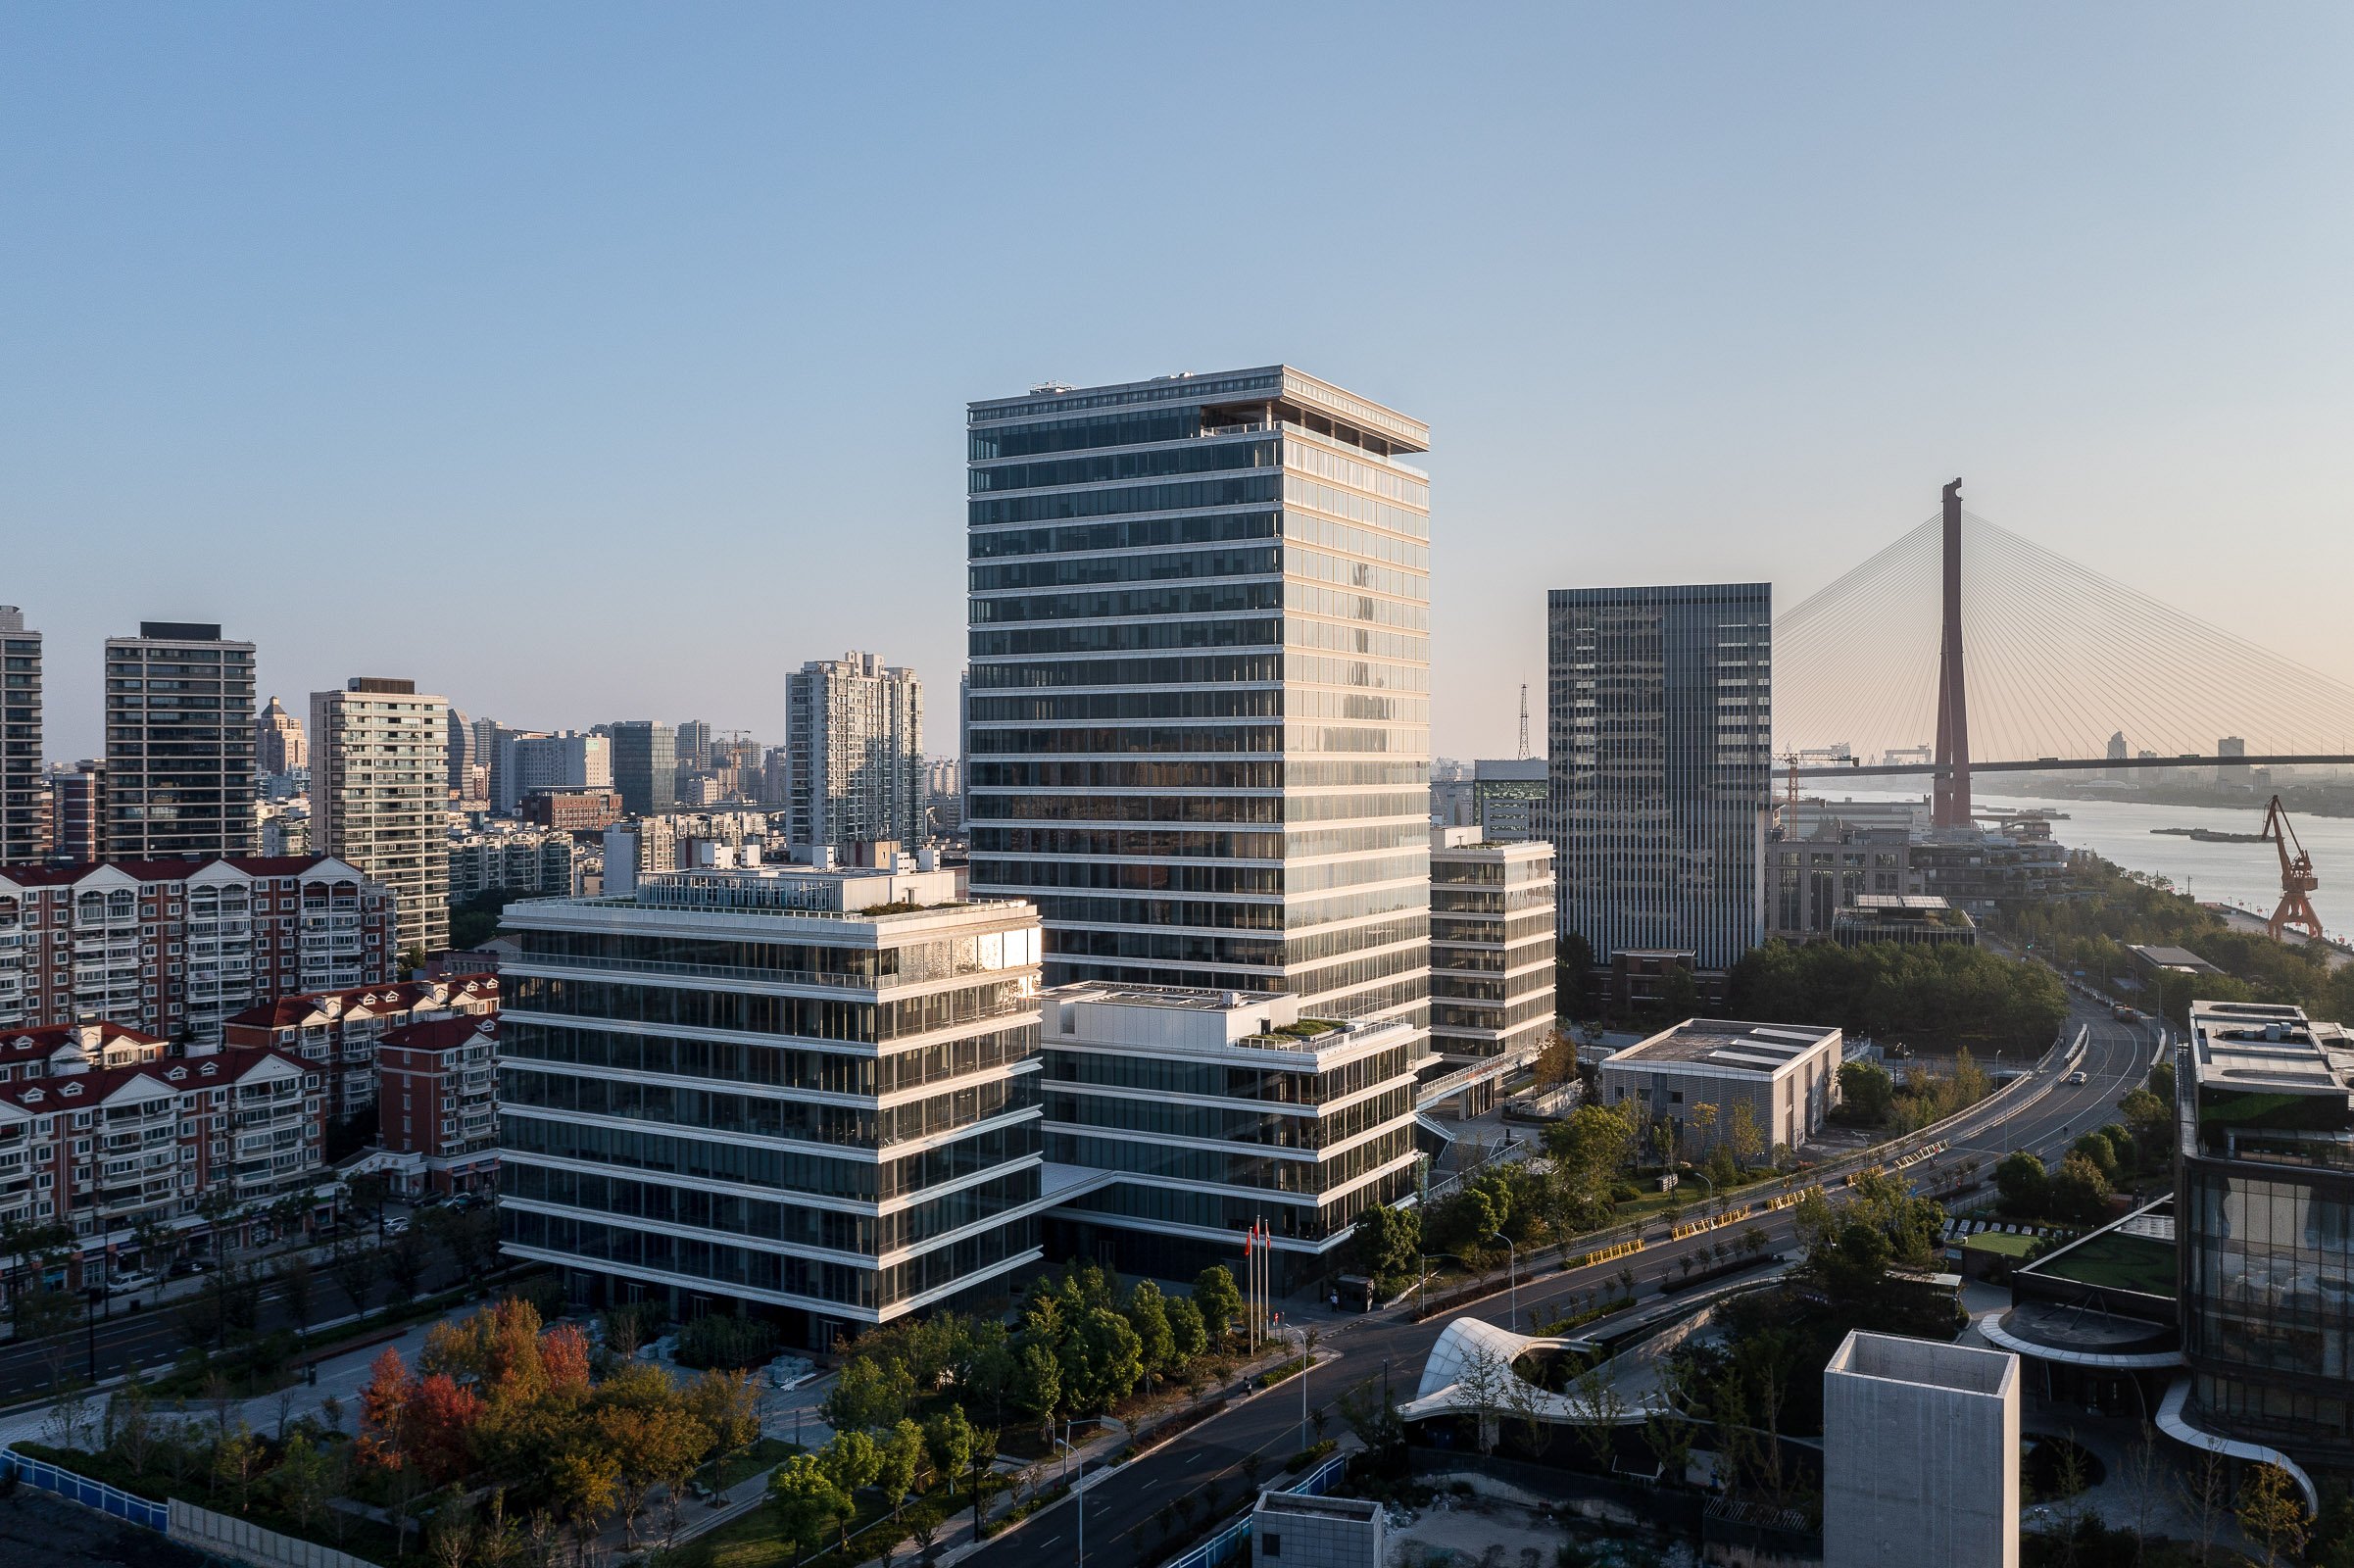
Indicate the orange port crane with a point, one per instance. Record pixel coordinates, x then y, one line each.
2297 877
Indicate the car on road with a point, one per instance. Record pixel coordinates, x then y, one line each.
2077 1077
129 1284
396 1225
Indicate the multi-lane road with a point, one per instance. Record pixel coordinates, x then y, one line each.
1123 1504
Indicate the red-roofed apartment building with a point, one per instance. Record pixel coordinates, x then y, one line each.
438 1112
176 948
338 1030
101 1131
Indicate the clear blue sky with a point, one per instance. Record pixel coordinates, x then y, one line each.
590 362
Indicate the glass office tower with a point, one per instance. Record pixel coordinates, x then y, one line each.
1661 730
23 839
179 744
1199 700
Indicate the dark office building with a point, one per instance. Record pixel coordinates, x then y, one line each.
22 806
1661 747
179 744
645 767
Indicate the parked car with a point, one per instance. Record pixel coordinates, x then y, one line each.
396 1225
127 1283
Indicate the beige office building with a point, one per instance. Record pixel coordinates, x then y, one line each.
1786 1074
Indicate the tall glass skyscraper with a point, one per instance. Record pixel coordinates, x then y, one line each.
179 744
1199 689
1662 730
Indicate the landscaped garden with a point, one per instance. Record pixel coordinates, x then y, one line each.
508 1442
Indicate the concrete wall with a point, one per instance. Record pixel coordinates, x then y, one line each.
1920 1454
1295 1532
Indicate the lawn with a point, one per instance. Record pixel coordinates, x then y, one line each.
2001 1245
2118 1261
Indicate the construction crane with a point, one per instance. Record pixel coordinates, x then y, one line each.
2297 877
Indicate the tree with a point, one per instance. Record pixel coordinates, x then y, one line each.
301 1480
948 1441
1186 1328
1148 1315
1595 1410
236 1457
357 1267
2096 1148
1856 1264
806 1499
469 1236
1556 1061
1037 1384
2272 1512
2019 1177
868 1395
2150 1118
1217 1300
583 1483
852 1460
383 1399
130 1421
728 1406
295 1284
1385 1243
902 1462
1867 1094
405 1260
1743 1136
2078 1193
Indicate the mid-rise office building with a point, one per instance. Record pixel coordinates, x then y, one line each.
1177 1119
530 762
179 744
77 810
1811 876
1491 949
814 1092
645 767
694 744
462 759
573 810
23 812
380 795
2263 1215
280 748
1787 1076
175 947
854 744
1199 727
1661 752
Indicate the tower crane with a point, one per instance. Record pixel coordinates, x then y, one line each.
2297 877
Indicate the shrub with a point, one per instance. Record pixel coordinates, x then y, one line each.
728 1342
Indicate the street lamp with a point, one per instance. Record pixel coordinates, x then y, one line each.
1303 1333
1513 1253
1078 1496
1422 1277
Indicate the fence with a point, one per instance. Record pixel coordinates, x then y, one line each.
89 1494
241 1541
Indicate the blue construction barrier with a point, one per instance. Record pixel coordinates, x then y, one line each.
82 1490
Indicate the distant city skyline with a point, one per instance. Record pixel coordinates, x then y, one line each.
624 333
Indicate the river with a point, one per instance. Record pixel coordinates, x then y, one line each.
2245 874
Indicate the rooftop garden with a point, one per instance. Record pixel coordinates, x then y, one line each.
2116 1262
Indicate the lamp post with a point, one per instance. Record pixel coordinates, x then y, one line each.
1302 1334
1422 1277
1078 1493
1513 1254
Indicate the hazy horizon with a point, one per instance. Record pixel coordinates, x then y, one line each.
590 366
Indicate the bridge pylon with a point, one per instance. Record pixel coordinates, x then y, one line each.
1950 796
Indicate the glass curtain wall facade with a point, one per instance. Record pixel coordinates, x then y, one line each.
830 1117
2264 1212
1198 712
1491 947
179 744
645 768
1662 730
24 836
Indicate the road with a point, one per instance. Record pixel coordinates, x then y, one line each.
1206 1462
152 1337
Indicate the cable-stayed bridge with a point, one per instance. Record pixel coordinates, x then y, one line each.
1962 641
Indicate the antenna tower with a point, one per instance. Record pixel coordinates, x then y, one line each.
1524 720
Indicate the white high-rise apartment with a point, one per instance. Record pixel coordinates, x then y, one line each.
379 795
1199 724
179 744
854 747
